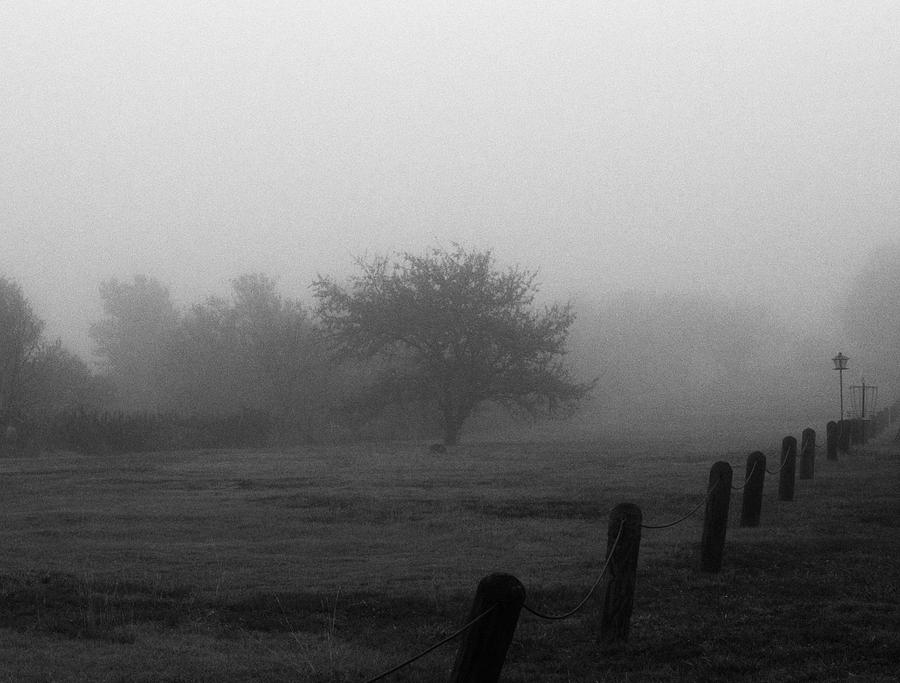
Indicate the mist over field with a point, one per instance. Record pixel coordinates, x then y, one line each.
317 315
715 188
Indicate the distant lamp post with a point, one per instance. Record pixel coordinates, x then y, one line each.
840 364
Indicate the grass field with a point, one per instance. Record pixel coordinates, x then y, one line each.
335 563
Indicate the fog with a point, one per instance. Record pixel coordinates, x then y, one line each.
724 169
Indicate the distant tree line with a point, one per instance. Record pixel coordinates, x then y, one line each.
38 377
255 352
412 346
108 432
409 348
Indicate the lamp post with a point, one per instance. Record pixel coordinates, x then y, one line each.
840 364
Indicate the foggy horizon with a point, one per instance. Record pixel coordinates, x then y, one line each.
348 341
743 153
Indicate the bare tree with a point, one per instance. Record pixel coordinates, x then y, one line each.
461 332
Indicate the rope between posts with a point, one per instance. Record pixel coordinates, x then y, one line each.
590 592
446 640
749 475
559 617
768 471
688 515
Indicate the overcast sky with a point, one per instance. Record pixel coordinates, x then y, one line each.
742 149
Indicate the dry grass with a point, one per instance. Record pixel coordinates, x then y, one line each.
332 564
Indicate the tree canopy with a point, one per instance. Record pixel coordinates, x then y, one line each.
20 344
37 376
460 332
140 316
257 350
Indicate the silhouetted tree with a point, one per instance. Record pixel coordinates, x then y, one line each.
256 350
277 337
202 368
62 381
130 339
20 343
461 333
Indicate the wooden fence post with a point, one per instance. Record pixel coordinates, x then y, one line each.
621 573
844 436
751 505
481 655
881 422
855 432
831 440
788 468
808 453
715 522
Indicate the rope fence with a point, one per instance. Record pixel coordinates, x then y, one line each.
685 517
500 597
429 650
748 478
784 460
774 472
577 608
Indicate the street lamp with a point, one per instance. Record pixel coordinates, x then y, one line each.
840 364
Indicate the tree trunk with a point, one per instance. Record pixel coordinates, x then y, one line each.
454 416
453 422
451 433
